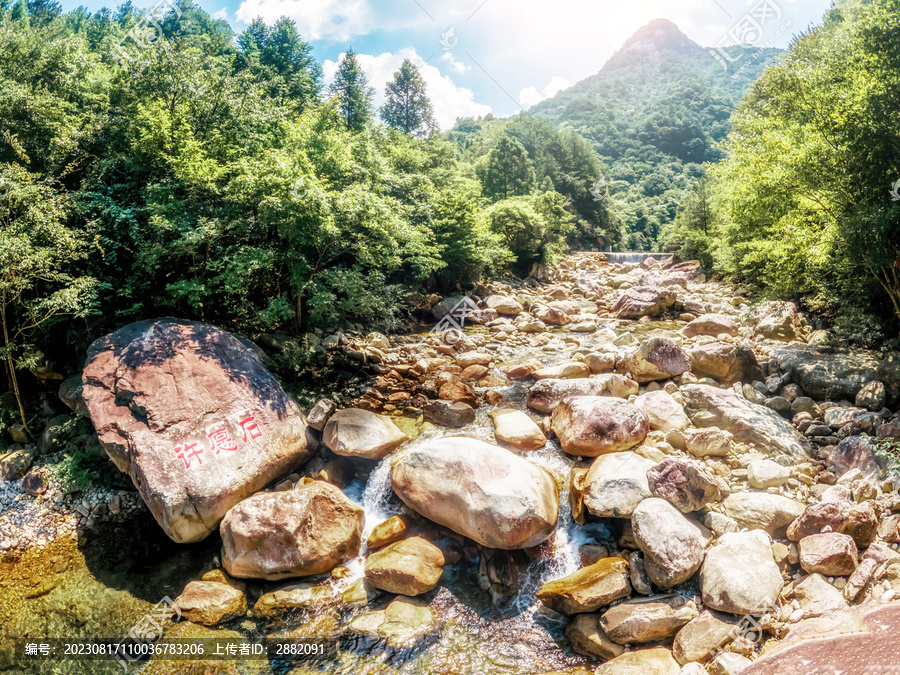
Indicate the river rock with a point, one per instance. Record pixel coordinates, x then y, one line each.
643 301
320 414
402 623
817 516
514 427
448 414
700 638
763 429
71 392
761 510
663 412
653 661
210 603
545 395
504 304
854 452
776 320
872 396
739 575
682 483
481 491
830 553
647 619
764 473
294 597
587 638
589 426
190 412
409 567
659 358
588 589
274 535
711 324
817 597
724 362
15 463
615 484
710 442
673 544
563 371
353 432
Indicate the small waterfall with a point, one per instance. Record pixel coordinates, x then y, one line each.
376 498
635 258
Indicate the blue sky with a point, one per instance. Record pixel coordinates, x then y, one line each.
499 56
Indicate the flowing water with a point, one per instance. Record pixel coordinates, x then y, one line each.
101 588
617 258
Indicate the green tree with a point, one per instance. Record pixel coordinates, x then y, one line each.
353 92
506 171
406 105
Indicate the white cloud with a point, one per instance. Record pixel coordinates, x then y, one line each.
457 66
531 96
221 14
316 19
449 100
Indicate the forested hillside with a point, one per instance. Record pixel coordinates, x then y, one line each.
805 205
655 113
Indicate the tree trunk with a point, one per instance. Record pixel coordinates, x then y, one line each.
12 368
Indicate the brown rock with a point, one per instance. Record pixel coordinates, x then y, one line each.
588 589
817 516
545 395
388 532
458 391
409 567
659 358
274 535
210 603
643 301
473 373
449 414
587 638
595 425
352 432
829 553
654 661
682 483
700 638
647 619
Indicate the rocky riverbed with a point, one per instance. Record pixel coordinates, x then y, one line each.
608 468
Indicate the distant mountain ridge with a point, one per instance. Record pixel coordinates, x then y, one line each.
655 112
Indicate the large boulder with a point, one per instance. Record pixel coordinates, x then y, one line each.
776 320
615 484
295 533
761 510
763 429
659 358
545 395
682 483
725 362
647 619
504 305
190 412
663 412
643 301
855 452
830 553
353 432
514 427
409 567
739 576
481 491
595 425
827 375
673 544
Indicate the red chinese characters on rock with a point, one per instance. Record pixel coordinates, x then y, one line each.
219 440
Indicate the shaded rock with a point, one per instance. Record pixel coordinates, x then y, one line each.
761 510
274 535
659 358
673 543
763 429
862 523
320 414
514 427
352 432
711 324
663 412
683 484
409 567
595 425
15 463
294 597
776 320
615 484
545 395
400 624
872 396
643 301
588 589
71 393
479 490
647 619
54 434
739 575
828 553
210 603
192 414
854 452
653 661
587 638
832 375
449 414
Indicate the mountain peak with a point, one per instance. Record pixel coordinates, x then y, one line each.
648 43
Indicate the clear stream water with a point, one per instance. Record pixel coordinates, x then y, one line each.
100 585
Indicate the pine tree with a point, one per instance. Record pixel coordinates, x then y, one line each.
355 95
407 107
